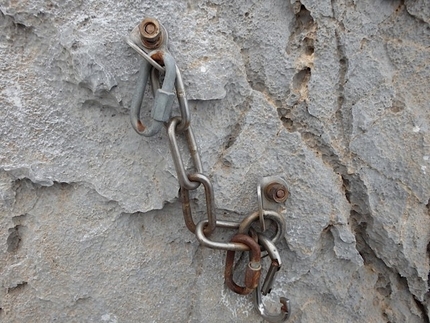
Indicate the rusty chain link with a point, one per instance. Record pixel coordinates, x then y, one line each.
150 40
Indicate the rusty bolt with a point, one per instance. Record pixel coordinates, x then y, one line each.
150 33
276 192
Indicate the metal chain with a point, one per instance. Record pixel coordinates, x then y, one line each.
150 40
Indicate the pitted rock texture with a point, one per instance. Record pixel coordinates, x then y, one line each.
330 95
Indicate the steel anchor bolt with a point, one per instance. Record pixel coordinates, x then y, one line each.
150 33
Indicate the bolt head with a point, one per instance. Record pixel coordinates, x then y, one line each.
280 193
150 28
150 33
276 192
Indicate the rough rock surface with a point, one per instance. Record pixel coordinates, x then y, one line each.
331 95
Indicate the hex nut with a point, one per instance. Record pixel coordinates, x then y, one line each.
276 192
150 33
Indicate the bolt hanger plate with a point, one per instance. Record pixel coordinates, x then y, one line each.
267 202
134 41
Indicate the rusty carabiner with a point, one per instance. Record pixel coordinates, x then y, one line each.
253 270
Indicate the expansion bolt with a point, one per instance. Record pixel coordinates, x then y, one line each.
276 192
150 33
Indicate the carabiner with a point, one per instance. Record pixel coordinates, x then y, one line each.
275 264
163 100
273 253
253 270
274 318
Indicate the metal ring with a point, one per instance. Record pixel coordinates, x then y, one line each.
260 207
246 223
204 241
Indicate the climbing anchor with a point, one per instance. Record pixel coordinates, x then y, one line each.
150 40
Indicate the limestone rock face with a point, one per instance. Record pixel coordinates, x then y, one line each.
332 96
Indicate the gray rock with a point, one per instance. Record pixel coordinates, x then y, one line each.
332 96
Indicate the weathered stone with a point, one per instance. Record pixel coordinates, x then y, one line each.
330 95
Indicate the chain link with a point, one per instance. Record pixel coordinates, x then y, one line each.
246 238
205 241
246 223
210 204
203 229
183 103
176 154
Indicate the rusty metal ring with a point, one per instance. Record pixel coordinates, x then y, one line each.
246 223
253 270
